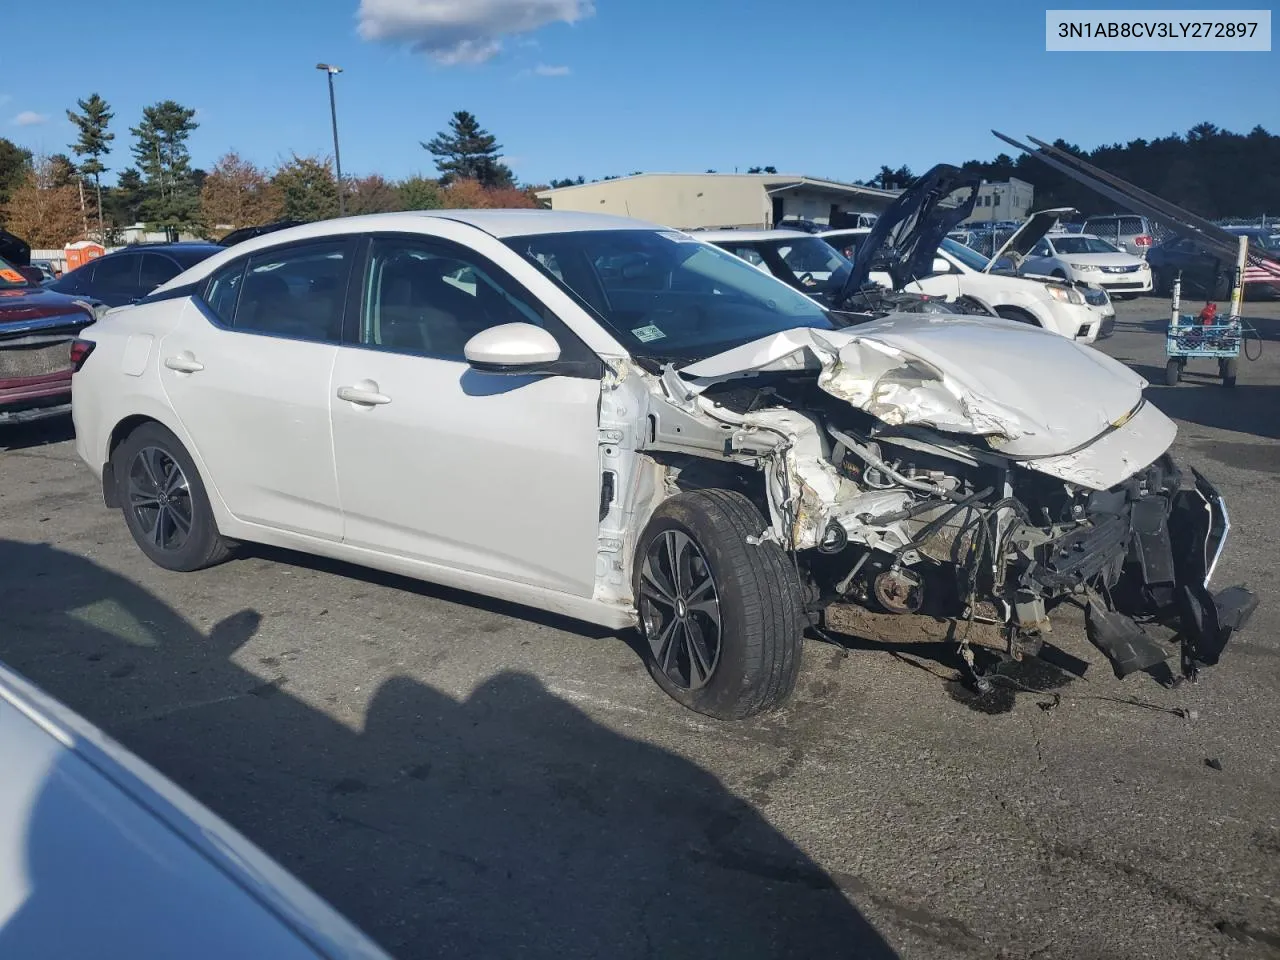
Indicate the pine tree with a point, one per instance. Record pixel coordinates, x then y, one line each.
94 142
466 151
172 200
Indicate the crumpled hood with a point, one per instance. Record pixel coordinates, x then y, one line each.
1030 392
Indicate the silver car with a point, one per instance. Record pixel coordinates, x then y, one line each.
1128 231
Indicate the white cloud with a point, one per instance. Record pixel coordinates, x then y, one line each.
462 31
29 118
543 70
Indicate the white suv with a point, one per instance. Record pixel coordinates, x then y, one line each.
960 272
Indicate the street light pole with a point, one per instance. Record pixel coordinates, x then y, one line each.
330 70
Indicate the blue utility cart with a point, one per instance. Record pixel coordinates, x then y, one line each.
1188 338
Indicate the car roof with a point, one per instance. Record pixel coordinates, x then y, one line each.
751 236
846 232
179 247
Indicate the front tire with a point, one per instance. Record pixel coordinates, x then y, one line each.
1172 373
721 617
164 501
1228 369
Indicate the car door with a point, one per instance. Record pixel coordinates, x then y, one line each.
496 474
247 371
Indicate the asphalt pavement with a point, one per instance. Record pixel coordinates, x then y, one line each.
464 778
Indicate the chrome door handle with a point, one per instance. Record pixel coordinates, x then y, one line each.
184 363
362 396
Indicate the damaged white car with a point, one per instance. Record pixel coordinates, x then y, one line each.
610 420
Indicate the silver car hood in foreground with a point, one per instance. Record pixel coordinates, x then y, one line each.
1053 405
101 856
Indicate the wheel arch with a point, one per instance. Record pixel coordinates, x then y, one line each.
131 422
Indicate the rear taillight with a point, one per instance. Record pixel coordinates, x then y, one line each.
1142 241
80 350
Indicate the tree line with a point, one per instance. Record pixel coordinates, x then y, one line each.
1210 171
53 200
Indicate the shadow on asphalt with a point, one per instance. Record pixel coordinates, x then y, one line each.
505 824
1202 399
37 433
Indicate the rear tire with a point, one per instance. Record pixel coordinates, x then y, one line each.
1228 369
164 501
723 625
1172 373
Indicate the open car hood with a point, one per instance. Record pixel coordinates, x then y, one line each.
906 237
1037 398
1028 235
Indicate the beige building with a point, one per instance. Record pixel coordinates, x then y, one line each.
1008 200
745 200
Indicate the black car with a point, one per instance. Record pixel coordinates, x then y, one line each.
1204 273
130 274
248 233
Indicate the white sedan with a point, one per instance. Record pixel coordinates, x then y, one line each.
616 421
1089 259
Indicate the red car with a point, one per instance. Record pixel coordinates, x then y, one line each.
37 328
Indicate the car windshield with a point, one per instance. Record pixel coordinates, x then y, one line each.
970 257
667 296
846 244
1082 245
10 277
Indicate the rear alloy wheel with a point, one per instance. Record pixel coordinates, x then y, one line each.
164 502
721 617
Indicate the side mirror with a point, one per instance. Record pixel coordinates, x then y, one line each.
941 265
511 348
31 275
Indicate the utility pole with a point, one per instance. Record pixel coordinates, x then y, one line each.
330 70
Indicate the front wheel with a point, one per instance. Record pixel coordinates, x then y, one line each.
1172 372
164 501
721 616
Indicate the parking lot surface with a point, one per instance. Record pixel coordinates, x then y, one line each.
464 778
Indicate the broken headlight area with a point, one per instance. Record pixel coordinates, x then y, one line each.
960 533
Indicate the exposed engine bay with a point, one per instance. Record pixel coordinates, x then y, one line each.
897 484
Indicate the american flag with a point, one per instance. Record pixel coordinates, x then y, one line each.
1260 269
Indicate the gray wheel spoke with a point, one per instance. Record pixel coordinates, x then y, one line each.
700 659
141 500
664 642
177 482
700 590
180 521
673 559
148 458
156 533
709 609
657 590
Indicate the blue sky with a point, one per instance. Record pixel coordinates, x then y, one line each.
574 87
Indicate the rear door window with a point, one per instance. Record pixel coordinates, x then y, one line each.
156 269
117 276
1131 226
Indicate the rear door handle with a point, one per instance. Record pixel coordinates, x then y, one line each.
366 395
184 363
